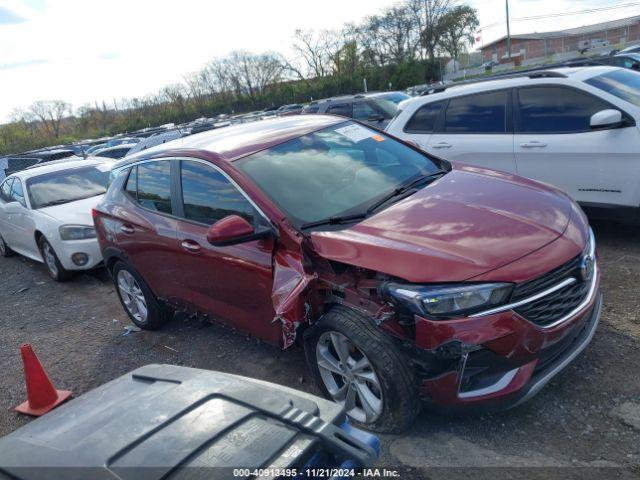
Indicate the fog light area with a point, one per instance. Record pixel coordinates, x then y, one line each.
80 259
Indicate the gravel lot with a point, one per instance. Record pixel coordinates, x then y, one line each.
585 424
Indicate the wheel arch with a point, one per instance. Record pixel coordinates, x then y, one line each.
111 256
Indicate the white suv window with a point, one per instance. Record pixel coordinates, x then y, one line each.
425 118
555 109
480 113
624 84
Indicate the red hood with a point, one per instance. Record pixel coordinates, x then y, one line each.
469 222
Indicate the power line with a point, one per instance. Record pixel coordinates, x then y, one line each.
563 14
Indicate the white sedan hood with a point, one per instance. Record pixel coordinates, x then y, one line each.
73 213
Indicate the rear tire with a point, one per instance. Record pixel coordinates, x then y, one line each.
385 398
52 262
137 299
5 251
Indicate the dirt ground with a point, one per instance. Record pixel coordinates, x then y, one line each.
584 424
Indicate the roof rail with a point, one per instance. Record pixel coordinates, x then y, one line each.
536 72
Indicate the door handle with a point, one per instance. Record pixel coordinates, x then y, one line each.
128 229
533 144
191 246
441 145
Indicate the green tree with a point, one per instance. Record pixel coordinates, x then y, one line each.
457 26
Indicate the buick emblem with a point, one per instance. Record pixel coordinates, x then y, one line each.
586 268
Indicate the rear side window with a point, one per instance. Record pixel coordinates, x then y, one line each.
209 196
154 185
550 109
131 186
342 109
5 190
481 113
312 109
424 120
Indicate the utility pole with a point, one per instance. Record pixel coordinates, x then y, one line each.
508 32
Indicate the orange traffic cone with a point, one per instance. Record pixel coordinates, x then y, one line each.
41 394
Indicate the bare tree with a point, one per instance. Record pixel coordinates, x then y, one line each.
48 114
315 50
250 74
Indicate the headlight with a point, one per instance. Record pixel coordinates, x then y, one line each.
447 301
76 232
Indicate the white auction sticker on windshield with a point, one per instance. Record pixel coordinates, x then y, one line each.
355 133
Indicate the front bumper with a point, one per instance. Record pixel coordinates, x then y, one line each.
66 249
501 360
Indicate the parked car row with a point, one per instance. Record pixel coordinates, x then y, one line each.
414 265
375 109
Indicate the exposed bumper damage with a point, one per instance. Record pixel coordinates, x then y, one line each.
497 360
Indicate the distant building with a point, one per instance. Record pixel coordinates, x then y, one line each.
537 45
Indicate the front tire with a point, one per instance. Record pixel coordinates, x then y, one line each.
138 301
52 262
357 365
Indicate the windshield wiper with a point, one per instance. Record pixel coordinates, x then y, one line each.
340 219
56 202
62 201
337 220
403 189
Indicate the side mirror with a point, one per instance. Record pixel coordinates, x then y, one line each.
13 208
375 117
609 118
233 230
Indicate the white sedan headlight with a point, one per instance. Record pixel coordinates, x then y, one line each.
77 232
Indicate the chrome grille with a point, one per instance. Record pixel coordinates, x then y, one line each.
554 277
556 305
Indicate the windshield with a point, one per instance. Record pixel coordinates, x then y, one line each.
624 84
337 171
67 186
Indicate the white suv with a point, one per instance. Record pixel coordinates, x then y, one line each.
576 128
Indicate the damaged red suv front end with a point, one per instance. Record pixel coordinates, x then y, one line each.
547 301
406 278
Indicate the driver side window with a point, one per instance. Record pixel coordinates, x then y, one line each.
17 194
209 196
5 190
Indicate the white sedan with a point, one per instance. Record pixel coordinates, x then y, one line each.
45 214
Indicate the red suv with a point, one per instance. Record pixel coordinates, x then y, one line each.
405 277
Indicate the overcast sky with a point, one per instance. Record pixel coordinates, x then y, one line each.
87 50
